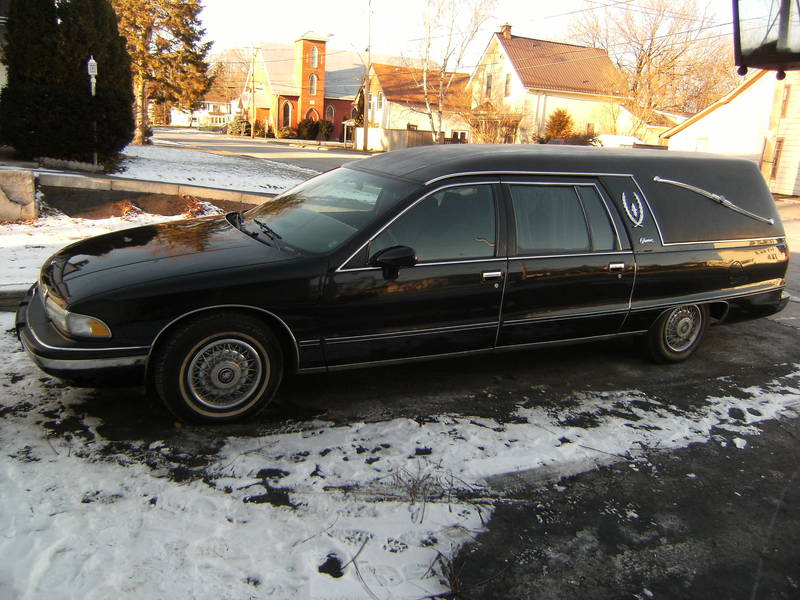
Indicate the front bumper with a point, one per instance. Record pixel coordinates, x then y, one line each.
88 363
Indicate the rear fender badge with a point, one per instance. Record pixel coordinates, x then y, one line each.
633 209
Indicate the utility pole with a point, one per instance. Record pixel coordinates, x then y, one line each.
253 96
366 75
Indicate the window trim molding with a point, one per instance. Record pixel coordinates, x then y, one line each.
343 267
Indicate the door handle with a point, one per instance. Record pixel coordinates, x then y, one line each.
616 267
487 275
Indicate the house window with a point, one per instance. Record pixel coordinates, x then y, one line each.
507 91
330 115
312 84
785 100
488 91
380 101
286 121
776 157
314 57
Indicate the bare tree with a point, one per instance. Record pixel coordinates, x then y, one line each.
449 28
673 56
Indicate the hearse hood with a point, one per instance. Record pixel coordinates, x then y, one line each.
154 252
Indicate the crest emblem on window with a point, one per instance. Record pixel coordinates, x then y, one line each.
634 209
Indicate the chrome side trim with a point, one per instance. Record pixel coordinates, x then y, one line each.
407 333
525 174
566 342
411 359
705 300
223 306
342 269
83 364
718 198
585 315
90 364
577 254
427 264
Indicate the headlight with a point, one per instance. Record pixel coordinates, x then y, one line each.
75 324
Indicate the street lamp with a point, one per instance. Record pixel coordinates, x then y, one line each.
91 67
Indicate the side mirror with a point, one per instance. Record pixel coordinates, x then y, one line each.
392 259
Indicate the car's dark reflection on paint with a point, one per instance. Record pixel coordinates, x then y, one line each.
421 253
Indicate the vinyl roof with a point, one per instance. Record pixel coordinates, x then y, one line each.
425 163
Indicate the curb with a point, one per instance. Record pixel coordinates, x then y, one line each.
10 299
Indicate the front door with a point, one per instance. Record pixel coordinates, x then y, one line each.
571 270
448 303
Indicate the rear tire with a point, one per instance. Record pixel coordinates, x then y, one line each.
218 368
677 333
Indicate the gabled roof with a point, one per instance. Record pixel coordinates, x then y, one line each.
404 83
344 70
546 65
714 106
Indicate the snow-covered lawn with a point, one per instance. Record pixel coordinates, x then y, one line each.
25 246
271 515
174 165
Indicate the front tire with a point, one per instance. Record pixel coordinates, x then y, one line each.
218 368
677 333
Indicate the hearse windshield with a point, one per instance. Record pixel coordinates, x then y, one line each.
322 213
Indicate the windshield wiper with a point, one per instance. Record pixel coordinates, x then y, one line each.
271 233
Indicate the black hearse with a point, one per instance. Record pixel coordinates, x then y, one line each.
420 253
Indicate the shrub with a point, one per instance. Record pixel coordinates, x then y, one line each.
287 132
239 126
307 129
325 129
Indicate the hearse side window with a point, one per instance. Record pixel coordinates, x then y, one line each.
452 224
549 219
603 237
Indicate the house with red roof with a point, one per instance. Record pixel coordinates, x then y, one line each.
400 110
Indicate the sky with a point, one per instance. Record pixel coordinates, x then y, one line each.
395 24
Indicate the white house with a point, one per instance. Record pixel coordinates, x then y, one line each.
397 113
759 120
534 78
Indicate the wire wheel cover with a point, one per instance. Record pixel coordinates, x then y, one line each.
682 328
225 373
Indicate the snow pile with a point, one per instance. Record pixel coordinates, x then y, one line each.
173 165
310 509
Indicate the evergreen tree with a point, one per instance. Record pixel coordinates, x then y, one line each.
89 29
47 108
167 54
30 55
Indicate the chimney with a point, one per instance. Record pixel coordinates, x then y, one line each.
505 31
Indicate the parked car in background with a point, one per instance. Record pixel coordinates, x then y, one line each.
426 252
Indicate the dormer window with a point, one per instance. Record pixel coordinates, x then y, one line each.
312 84
314 56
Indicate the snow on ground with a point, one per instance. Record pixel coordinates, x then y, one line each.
173 165
85 517
25 246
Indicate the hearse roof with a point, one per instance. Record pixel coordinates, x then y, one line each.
684 215
427 163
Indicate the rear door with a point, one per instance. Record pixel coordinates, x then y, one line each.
571 269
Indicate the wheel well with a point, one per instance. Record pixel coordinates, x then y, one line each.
278 327
718 310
